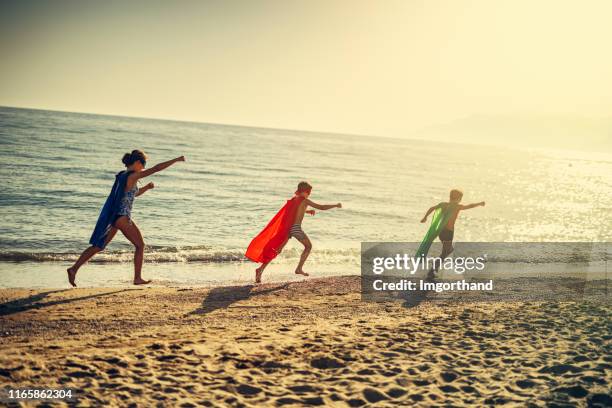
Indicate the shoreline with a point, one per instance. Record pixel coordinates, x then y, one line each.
52 275
44 276
311 342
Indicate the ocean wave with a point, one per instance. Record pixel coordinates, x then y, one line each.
125 256
170 254
335 256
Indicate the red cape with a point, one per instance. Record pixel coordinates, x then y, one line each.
265 246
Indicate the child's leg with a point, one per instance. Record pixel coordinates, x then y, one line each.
86 256
307 248
132 233
259 271
447 249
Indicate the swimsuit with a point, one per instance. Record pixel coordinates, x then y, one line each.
125 207
297 233
446 234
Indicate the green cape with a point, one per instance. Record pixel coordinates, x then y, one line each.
438 222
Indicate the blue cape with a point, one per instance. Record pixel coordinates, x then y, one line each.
109 211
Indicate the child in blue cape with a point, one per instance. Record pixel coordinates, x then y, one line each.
117 213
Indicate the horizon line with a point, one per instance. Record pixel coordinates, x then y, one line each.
200 122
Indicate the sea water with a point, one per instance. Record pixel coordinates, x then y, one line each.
57 169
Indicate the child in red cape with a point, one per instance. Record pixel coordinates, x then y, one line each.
285 224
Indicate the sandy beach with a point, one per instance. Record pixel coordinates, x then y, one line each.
304 343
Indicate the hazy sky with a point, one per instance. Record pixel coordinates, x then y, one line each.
368 67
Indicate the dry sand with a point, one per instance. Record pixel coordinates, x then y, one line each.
306 343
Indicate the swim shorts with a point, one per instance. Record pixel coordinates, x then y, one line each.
446 235
296 232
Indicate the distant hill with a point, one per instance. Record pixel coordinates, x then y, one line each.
540 131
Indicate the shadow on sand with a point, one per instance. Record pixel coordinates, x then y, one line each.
223 297
36 301
414 298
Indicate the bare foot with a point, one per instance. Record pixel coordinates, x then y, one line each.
301 272
141 281
71 275
258 273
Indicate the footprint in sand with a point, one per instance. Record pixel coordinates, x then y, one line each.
314 401
469 389
326 362
524 384
561 369
372 395
576 391
417 397
112 372
448 376
286 401
81 374
600 400
449 389
248 390
396 392
168 357
302 389
356 402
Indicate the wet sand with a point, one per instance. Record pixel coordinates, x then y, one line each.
303 343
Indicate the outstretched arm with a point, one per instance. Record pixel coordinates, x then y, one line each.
159 167
322 207
144 189
468 206
431 209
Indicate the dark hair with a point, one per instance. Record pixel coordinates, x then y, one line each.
131 158
303 186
